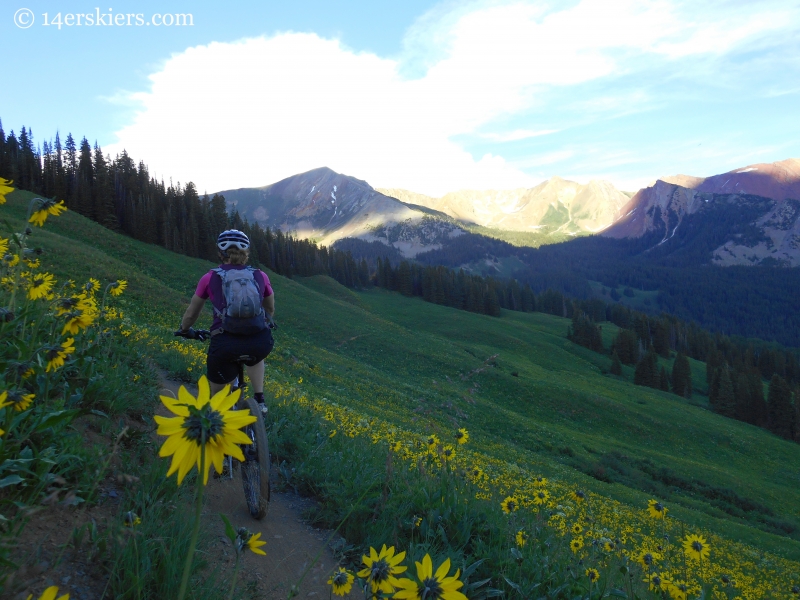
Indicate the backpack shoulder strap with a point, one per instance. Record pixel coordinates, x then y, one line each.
221 274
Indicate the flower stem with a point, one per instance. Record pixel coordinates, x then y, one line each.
198 507
235 575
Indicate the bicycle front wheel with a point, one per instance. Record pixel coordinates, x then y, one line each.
255 469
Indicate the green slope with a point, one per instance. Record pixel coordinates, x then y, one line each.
525 393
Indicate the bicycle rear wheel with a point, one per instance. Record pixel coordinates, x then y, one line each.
255 468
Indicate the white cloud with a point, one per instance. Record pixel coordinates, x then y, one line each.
518 134
254 111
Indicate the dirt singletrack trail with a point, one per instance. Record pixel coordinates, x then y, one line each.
291 543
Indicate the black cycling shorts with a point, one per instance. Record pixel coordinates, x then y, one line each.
226 348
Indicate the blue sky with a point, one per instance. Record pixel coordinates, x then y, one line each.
426 96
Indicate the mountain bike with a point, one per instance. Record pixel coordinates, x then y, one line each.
256 466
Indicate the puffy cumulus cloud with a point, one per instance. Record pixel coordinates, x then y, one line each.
252 112
257 110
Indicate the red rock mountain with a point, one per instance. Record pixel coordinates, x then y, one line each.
774 233
778 180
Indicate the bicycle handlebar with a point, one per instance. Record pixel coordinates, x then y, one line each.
194 334
204 334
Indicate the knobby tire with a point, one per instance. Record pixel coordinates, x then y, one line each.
255 472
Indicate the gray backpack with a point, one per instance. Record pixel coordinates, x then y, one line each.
243 313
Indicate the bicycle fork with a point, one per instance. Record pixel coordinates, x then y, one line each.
248 450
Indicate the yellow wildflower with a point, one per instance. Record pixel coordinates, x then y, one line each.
40 285
5 188
203 424
47 207
695 547
430 585
380 569
118 287
341 582
56 355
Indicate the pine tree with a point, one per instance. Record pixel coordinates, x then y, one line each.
380 276
682 376
85 181
71 169
404 279
491 304
626 347
616 365
663 380
363 273
779 403
725 403
584 332
103 193
4 166
758 404
797 415
741 393
661 338
646 372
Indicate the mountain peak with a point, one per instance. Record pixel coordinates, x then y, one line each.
557 204
760 203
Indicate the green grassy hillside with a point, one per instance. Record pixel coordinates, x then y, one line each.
527 395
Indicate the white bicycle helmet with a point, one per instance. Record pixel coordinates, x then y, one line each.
232 237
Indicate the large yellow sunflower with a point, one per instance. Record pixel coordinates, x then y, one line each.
83 313
202 418
658 582
5 188
92 286
678 590
541 497
696 547
648 559
56 355
656 510
118 287
47 207
462 436
509 505
341 582
11 260
431 586
381 568
576 544
432 442
20 401
521 538
3 246
40 285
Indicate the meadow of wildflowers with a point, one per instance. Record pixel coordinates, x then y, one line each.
441 419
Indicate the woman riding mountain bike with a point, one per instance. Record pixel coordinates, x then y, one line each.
244 304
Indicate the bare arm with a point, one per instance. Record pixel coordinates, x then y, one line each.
269 304
192 312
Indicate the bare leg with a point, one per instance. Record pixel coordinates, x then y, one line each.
256 375
215 387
